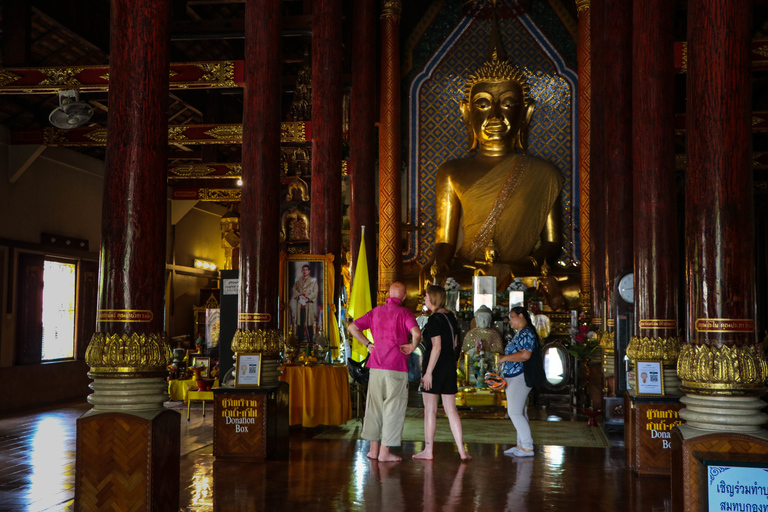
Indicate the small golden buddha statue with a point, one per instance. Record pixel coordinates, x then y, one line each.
230 237
497 195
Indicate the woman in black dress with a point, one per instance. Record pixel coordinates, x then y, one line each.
439 371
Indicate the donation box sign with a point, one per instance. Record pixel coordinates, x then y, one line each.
238 430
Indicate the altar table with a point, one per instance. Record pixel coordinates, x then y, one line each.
178 388
201 396
319 394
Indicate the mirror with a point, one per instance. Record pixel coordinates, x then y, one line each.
556 366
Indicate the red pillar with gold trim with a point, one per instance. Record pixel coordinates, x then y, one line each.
722 357
390 216
585 92
260 203
325 212
128 355
363 134
722 365
655 226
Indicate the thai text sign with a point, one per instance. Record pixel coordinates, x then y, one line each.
737 488
238 414
724 325
656 422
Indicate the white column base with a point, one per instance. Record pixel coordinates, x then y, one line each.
723 413
138 396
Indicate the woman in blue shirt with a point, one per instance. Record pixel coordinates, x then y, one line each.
517 351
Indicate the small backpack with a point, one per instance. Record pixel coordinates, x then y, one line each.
533 368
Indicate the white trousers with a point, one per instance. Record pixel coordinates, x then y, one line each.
517 395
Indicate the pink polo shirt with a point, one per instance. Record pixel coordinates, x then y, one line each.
390 324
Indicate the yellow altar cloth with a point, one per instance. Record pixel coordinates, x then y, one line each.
319 394
178 388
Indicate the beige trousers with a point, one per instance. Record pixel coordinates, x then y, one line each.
385 406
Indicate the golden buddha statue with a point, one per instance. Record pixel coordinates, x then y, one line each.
498 195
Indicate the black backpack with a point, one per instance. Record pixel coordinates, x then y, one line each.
359 372
533 368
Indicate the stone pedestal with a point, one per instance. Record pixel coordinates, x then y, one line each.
251 424
125 462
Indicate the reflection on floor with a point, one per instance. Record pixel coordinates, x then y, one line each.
37 474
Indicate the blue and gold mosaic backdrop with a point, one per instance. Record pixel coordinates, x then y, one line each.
437 132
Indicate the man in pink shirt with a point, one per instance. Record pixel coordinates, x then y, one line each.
390 324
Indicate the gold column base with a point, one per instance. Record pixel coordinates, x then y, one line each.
724 371
654 349
128 355
266 342
129 373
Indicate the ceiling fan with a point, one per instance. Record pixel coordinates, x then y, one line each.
71 112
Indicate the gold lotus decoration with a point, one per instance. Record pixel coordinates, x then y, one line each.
262 341
128 354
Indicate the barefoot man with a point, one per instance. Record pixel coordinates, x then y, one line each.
390 324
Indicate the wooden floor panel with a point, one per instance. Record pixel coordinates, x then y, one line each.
37 474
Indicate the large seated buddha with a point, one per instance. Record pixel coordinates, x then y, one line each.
497 196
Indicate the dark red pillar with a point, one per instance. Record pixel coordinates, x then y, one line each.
655 204
597 166
260 201
363 135
128 355
617 152
133 237
720 205
325 212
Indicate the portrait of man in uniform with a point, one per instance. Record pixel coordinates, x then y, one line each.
305 301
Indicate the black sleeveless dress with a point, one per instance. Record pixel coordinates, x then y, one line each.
444 373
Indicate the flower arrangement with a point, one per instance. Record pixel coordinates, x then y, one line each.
583 342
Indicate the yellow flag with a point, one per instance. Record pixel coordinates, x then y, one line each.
360 298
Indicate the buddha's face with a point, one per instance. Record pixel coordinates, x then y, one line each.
496 112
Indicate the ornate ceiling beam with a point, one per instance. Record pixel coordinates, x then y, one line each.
188 75
295 131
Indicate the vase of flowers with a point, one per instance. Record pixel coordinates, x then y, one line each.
583 343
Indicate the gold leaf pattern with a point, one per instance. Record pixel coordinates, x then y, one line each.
6 77
726 367
64 77
128 354
262 341
661 349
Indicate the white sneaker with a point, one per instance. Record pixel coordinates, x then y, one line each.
510 451
521 453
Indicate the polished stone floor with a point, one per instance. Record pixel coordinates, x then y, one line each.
37 474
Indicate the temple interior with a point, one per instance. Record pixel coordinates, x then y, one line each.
199 196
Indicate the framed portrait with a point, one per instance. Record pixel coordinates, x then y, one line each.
204 363
248 374
212 327
306 296
649 378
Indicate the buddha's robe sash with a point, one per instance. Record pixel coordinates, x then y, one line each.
530 186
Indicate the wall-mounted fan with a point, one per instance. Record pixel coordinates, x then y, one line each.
71 112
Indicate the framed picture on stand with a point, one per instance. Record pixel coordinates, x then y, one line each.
248 374
649 378
204 363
